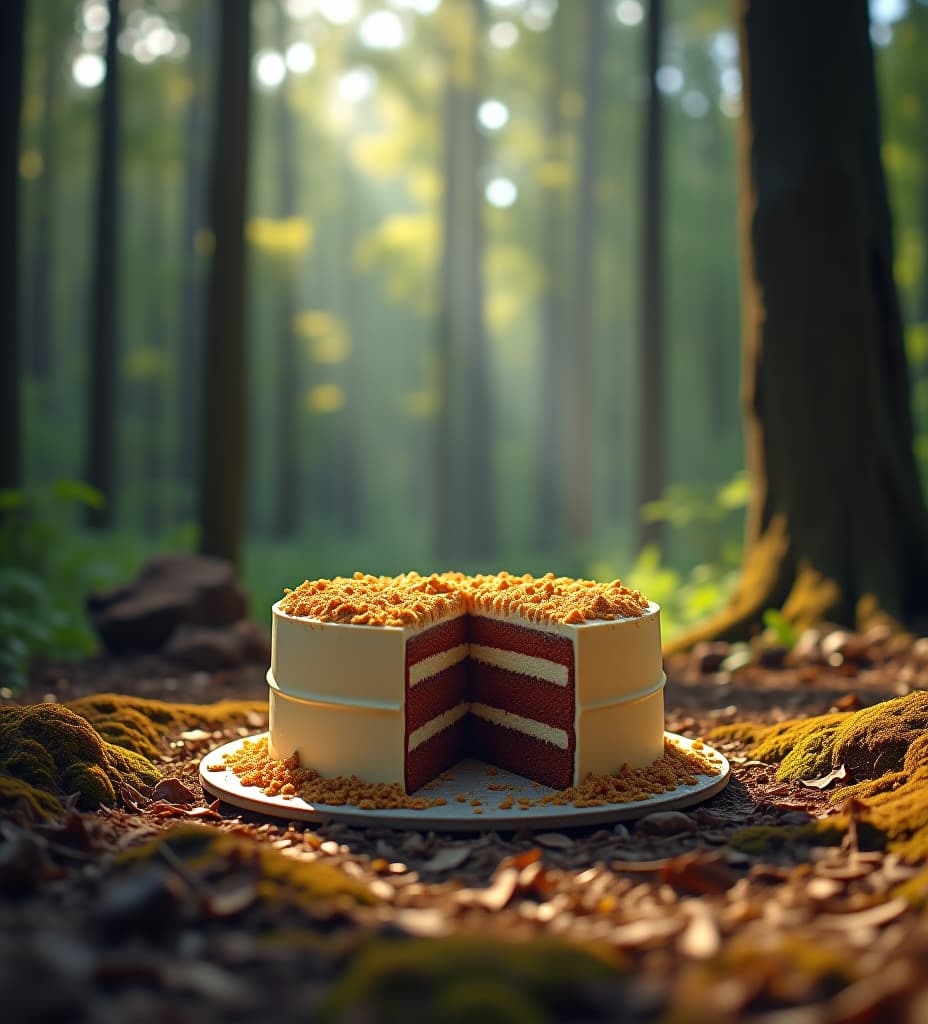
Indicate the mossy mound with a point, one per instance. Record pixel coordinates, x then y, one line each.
765 840
47 753
281 879
141 725
462 979
885 746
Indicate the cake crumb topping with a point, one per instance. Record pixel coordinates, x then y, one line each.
254 766
414 600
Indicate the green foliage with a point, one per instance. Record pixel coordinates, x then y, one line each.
43 573
783 632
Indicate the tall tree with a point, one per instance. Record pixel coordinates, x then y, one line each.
463 450
580 376
837 526
12 24
223 428
549 521
101 434
39 349
652 429
190 363
287 507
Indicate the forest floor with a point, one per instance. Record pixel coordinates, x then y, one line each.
663 919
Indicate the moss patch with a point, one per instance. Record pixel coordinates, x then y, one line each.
463 979
141 725
47 752
884 746
281 879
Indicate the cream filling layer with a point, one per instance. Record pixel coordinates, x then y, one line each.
447 718
436 663
524 664
537 730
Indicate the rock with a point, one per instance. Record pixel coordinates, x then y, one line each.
710 655
666 823
204 647
772 656
170 590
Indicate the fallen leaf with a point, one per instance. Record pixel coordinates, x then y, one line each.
496 895
231 899
824 781
698 873
174 792
448 859
554 840
426 923
872 917
701 938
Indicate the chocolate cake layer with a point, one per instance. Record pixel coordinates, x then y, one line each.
509 637
524 755
523 695
437 639
436 694
429 759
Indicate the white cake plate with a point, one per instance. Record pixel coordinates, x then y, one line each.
471 779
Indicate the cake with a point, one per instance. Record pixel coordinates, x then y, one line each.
395 679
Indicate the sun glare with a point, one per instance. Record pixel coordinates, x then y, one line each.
301 57
501 192
504 35
88 70
356 85
382 30
493 115
270 69
629 12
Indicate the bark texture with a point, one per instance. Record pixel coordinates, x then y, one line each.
101 435
652 446
223 431
837 526
12 23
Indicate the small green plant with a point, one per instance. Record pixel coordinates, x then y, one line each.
45 571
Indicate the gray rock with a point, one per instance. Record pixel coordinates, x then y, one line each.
666 823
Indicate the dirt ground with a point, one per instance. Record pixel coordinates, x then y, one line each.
675 923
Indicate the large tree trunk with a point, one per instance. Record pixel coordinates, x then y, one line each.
549 472
463 449
579 377
101 435
12 22
651 420
40 342
223 457
190 363
287 512
837 526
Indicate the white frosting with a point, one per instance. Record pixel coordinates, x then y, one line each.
447 718
436 663
525 664
528 726
337 692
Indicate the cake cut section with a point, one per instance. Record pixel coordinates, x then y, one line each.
396 679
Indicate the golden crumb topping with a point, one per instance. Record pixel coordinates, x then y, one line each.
406 600
414 600
553 598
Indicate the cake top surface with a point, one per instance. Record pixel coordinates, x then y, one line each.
414 600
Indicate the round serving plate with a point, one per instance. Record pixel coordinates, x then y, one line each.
471 780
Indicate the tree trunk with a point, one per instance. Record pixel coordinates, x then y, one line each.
549 473
579 378
153 392
12 24
190 363
463 438
40 342
836 526
287 512
223 456
101 435
351 312
651 419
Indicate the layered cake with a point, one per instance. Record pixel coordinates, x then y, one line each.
395 679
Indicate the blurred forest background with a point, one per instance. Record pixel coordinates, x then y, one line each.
492 289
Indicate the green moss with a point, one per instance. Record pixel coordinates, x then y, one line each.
141 725
282 879
464 978
884 746
760 840
47 752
